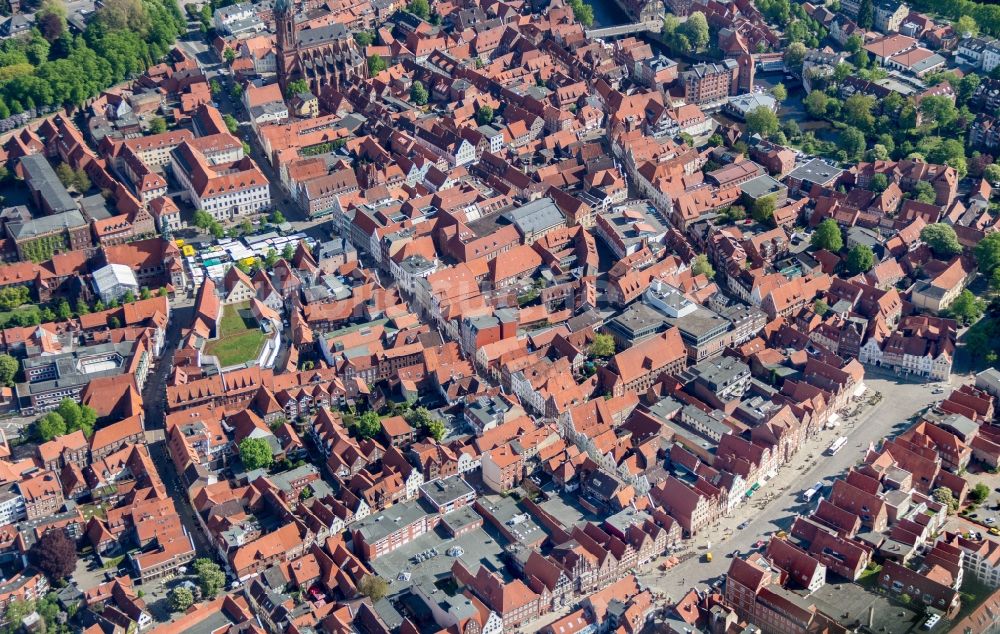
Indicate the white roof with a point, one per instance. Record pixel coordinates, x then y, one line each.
107 277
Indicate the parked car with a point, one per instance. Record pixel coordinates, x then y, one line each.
990 521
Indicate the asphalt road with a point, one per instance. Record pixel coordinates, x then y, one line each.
900 401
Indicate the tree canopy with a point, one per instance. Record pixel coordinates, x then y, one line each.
256 453
418 94
180 598
941 239
860 259
484 116
77 417
8 369
54 554
966 308
701 266
369 424
763 209
122 39
827 236
602 346
375 64
988 253
211 579
762 121
373 587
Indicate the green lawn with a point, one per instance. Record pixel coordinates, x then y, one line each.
6 316
240 339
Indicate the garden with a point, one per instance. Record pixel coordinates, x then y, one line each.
240 337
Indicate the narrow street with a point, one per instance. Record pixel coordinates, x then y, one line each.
154 400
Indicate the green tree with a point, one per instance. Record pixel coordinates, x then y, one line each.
15 613
988 252
602 346
943 495
255 453
763 209
979 493
780 92
65 174
157 125
436 429
795 53
13 296
418 94
8 369
852 141
966 308
271 259
49 426
992 174
375 65
582 12
211 579
202 219
288 252
995 280
419 8
231 123
860 259
229 55
942 239
180 599
375 588
735 213
701 266
145 293
277 218
364 38
484 116
762 121
879 183
857 111
696 30
296 87
418 417
866 14
966 26
77 417
924 192
827 236
816 103
939 111
128 297
369 424
820 307
63 310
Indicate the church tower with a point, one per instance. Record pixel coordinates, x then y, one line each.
287 39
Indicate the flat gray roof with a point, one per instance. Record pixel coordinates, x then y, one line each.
446 490
379 525
815 171
42 178
535 216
